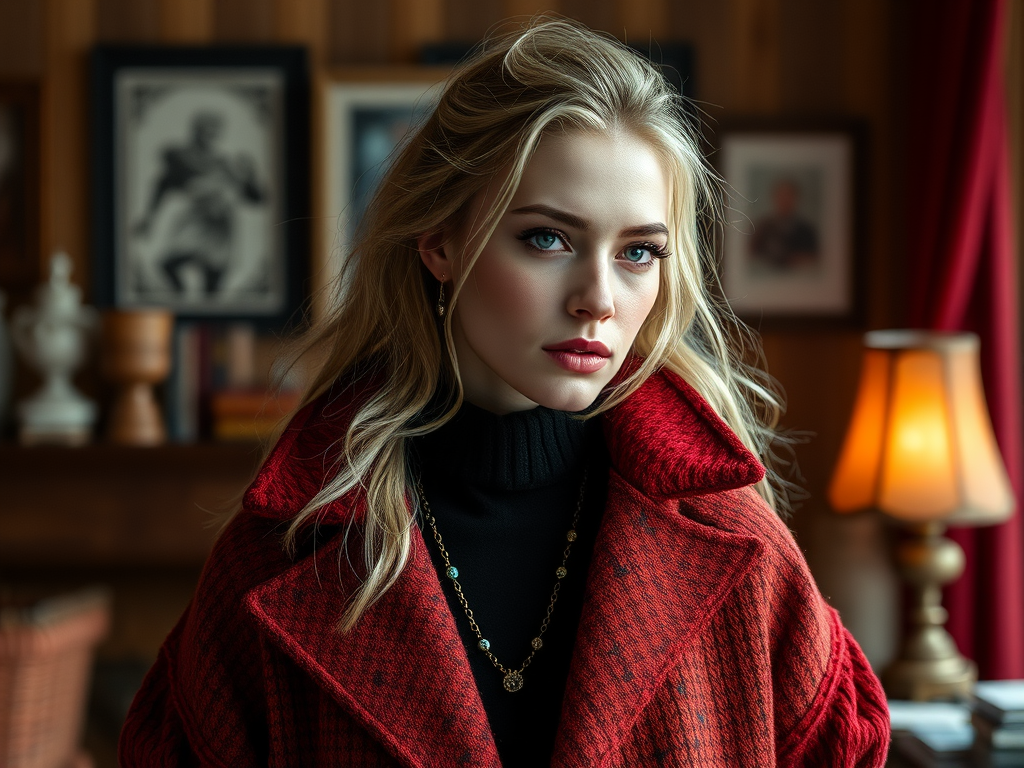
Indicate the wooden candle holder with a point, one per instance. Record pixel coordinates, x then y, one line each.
136 356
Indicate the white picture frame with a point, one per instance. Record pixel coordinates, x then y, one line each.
368 115
789 244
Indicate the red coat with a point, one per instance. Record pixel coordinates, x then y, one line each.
703 639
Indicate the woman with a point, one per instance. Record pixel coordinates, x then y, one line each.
520 519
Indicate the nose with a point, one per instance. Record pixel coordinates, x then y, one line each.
592 297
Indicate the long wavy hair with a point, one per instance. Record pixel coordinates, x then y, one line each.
551 75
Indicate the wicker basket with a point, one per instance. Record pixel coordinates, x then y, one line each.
45 661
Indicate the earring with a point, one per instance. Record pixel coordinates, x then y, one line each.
440 300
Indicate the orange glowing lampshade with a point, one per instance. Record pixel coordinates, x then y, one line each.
919 445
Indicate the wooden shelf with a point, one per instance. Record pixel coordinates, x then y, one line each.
117 507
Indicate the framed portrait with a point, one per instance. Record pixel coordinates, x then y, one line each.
19 189
369 115
789 248
201 180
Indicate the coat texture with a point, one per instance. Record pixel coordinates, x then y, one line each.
703 640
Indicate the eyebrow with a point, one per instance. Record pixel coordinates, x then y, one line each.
578 222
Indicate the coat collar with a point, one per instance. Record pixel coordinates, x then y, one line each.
656 579
664 439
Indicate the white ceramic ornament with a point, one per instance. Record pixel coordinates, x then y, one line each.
52 337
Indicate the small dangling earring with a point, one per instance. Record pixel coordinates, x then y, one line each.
440 300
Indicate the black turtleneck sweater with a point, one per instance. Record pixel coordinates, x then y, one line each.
503 490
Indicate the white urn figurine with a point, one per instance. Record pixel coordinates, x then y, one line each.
52 337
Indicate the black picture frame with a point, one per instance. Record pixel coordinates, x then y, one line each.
200 181
776 281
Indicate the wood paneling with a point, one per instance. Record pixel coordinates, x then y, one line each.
469 22
413 23
642 20
757 33
185 21
599 14
69 33
810 74
521 8
243 21
303 22
360 33
120 22
21 38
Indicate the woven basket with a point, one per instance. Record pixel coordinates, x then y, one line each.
45 661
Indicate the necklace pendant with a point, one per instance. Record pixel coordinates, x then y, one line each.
513 682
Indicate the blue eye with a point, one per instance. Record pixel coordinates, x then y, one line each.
545 241
636 254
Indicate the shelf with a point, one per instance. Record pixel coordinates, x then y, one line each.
113 506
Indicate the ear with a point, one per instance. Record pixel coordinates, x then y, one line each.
432 251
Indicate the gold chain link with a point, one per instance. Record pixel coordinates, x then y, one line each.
513 678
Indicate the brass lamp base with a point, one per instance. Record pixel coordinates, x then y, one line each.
929 665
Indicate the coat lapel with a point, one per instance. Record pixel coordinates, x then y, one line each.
402 673
656 579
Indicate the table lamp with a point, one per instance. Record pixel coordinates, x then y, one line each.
920 448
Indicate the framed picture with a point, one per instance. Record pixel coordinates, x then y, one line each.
201 180
19 189
789 249
370 113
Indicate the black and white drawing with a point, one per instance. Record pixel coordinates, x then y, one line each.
207 192
200 193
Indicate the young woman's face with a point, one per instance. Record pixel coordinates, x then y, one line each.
550 310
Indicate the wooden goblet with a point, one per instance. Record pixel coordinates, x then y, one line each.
136 355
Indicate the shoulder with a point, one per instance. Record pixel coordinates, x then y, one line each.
829 704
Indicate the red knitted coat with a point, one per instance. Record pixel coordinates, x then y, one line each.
703 640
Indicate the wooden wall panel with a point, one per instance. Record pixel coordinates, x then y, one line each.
1015 106
640 21
705 23
69 33
303 22
186 21
413 23
243 21
599 14
756 33
517 8
21 39
128 21
469 20
810 73
359 33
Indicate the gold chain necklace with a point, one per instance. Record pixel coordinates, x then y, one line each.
513 680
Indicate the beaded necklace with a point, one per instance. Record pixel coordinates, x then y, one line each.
513 678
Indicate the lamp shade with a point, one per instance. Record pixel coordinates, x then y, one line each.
919 445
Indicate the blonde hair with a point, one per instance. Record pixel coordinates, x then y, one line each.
553 74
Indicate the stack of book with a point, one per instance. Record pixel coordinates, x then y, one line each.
223 386
999 721
240 414
932 734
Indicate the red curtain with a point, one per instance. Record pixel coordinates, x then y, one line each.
964 277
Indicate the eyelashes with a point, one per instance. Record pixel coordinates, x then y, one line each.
547 235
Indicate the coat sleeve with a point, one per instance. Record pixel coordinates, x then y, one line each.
830 709
202 703
846 725
828 706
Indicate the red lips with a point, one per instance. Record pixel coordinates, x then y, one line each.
581 346
579 355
